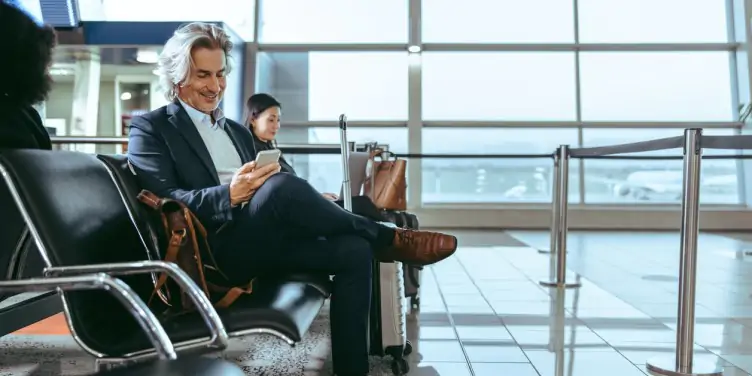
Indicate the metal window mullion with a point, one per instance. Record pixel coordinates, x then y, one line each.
583 124
415 107
256 21
333 47
735 94
571 47
747 47
350 124
578 99
501 47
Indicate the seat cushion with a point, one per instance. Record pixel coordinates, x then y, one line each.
284 307
189 365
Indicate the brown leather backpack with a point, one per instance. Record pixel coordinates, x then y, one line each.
185 244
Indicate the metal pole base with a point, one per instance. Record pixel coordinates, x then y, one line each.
546 251
666 366
570 285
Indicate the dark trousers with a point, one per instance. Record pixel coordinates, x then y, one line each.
363 205
288 226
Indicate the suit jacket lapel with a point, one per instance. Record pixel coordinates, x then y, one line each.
237 137
183 123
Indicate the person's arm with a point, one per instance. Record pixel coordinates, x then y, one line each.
155 169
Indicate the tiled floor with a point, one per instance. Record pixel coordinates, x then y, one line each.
483 312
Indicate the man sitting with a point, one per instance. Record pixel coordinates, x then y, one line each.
260 220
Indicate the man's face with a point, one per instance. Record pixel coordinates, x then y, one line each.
206 81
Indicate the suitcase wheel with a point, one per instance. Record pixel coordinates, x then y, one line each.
415 302
400 367
408 349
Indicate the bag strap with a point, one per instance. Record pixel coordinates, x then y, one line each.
179 223
231 294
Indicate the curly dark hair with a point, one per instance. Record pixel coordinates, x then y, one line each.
27 56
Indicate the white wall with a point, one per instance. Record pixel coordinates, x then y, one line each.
59 105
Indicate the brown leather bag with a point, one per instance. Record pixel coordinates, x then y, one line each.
186 245
386 184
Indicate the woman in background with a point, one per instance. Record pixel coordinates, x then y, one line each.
264 114
27 56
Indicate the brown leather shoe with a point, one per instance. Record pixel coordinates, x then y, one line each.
419 247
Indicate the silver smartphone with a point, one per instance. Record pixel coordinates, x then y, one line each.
267 157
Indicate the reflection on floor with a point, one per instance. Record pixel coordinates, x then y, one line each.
484 313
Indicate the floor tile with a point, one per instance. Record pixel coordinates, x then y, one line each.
494 352
483 332
440 351
581 339
582 363
499 369
439 369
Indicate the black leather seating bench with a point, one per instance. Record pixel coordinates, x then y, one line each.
83 212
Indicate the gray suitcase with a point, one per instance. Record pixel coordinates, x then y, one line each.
388 318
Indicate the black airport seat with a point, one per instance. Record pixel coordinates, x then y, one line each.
286 304
168 363
85 224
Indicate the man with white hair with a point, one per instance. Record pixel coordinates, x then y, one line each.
258 219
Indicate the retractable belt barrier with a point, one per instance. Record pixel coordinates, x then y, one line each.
683 363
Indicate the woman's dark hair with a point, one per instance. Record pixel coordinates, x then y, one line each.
27 55
257 104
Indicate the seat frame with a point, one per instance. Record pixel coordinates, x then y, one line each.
101 281
219 337
235 334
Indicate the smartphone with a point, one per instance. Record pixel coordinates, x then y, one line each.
267 157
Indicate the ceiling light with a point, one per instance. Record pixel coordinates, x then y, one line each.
61 72
126 96
413 49
147 56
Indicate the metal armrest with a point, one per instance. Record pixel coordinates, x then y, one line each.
118 288
219 338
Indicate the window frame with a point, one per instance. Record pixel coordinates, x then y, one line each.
415 123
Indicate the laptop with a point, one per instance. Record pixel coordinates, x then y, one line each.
357 164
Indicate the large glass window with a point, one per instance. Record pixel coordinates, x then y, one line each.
325 171
497 21
493 180
645 181
512 86
333 21
652 21
656 86
315 86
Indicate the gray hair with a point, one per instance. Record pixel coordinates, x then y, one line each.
175 61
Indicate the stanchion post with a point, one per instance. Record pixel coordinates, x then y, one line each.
684 364
561 238
346 191
554 206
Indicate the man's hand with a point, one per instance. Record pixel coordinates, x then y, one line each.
248 179
330 196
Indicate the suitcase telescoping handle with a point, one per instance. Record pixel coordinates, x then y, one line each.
346 190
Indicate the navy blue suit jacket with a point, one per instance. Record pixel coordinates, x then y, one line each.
171 160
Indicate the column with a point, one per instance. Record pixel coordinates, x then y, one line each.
742 12
85 112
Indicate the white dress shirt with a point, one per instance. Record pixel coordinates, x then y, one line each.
221 149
